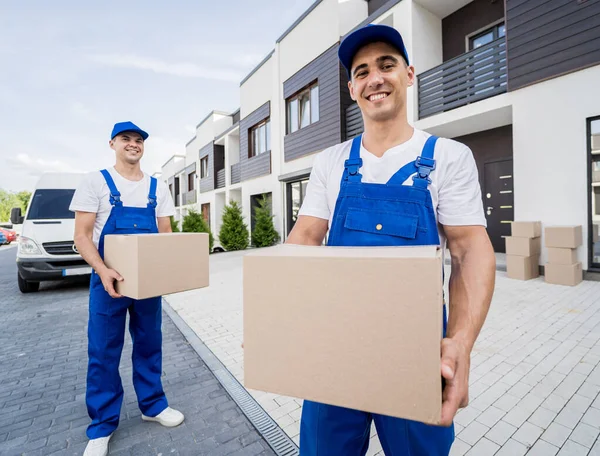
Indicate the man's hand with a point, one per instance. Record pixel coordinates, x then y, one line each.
456 361
108 277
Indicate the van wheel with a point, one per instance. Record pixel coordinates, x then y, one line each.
26 286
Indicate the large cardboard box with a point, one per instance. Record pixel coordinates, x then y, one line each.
568 237
526 229
158 264
564 274
357 327
557 255
522 267
523 246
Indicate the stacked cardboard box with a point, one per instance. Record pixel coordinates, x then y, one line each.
562 267
523 250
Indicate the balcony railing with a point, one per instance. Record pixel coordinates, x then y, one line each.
354 121
189 197
220 178
236 173
470 77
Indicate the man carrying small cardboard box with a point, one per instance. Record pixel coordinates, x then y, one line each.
369 192
121 200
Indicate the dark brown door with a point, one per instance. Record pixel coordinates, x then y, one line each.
498 201
206 213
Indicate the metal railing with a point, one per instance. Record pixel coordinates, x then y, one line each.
189 197
220 178
470 77
236 173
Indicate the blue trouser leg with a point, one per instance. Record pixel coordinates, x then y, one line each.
106 331
326 430
145 328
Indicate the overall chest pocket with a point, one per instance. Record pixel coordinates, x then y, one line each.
381 222
136 224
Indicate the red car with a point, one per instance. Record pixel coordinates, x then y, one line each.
11 236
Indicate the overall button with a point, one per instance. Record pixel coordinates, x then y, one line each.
135 225
378 227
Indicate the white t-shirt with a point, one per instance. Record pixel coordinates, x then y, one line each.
93 195
454 189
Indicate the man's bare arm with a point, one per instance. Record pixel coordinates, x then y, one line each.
308 231
84 232
471 287
164 225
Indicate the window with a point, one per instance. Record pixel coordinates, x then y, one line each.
51 204
296 191
259 138
594 198
191 178
204 167
303 108
487 36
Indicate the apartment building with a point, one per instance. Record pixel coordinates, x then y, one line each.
515 80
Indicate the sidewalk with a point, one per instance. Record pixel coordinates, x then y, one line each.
535 374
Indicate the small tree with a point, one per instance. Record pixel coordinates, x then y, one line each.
234 232
264 234
174 225
195 223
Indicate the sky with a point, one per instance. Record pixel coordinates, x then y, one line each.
70 70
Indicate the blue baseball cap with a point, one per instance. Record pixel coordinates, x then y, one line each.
121 127
371 33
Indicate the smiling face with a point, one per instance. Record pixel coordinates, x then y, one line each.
379 81
129 147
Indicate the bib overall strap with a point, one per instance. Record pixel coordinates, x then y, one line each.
403 173
152 193
354 162
425 163
115 196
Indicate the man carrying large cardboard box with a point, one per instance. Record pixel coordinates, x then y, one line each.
121 200
370 192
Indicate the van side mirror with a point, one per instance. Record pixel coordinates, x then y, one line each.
15 216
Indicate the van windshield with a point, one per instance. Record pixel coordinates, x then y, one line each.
51 204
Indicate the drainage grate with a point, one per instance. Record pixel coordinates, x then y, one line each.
264 424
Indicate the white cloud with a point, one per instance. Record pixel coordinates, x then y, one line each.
35 166
182 69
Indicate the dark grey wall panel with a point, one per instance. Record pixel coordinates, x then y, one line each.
328 130
259 165
208 183
346 101
549 38
374 5
354 121
463 22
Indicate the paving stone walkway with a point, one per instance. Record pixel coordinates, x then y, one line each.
535 378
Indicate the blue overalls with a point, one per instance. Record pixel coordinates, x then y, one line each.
368 214
106 330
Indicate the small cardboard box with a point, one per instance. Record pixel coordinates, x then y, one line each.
568 237
526 229
557 255
158 264
564 274
356 327
522 267
523 246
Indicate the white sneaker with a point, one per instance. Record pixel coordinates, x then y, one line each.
168 417
97 447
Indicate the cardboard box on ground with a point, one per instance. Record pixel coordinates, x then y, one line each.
158 264
357 327
562 267
523 250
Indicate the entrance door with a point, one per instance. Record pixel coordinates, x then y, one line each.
498 201
206 213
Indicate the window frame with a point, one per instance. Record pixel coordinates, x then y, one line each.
204 175
266 124
305 93
589 241
191 179
494 26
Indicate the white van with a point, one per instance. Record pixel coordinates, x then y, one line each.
46 248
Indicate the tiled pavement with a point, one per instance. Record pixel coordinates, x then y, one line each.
535 374
43 362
